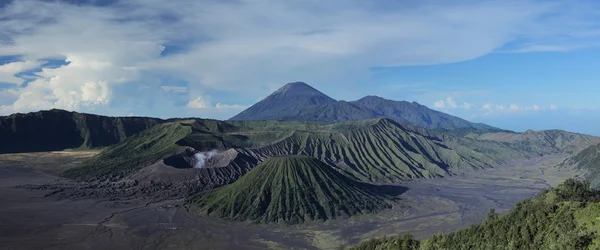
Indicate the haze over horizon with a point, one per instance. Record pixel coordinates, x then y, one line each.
516 65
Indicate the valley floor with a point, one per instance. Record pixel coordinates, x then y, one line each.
30 220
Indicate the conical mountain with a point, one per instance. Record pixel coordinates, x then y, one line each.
291 189
300 102
289 99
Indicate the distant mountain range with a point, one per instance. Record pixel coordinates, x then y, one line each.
298 101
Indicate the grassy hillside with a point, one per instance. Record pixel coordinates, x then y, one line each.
290 189
131 154
588 162
382 150
58 130
154 144
566 217
378 150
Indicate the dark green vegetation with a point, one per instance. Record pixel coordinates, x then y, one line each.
588 162
291 189
59 130
565 217
298 101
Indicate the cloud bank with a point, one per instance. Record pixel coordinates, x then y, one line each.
125 57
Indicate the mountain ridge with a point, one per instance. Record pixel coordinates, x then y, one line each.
55 129
305 103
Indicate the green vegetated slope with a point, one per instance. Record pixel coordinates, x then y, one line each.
588 162
290 189
134 152
378 150
155 144
543 142
382 150
566 217
58 130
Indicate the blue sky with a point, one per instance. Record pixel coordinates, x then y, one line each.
513 64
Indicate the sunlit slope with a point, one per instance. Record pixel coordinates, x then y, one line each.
290 189
380 150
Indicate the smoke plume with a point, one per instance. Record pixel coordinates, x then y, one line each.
201 158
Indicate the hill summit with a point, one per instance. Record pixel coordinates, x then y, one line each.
290 189
288 99
299 101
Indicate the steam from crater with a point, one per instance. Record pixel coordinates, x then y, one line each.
201 158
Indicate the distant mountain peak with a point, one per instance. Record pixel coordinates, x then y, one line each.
288 99
294 85
299 101
373 97
300 89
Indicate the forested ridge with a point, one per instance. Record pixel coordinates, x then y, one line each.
565 217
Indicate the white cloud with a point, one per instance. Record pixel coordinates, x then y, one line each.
197 103
83 82
111 47
201 103
553 107
200 107
439 104
8 71
451 104
489 109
